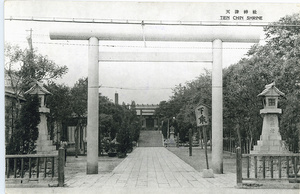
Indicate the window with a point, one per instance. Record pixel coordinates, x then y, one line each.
271 101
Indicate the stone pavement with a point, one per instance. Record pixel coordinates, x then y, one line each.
150 170
155 168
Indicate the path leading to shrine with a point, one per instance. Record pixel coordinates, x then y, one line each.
149 170
159 168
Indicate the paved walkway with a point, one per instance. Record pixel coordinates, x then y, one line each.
149 170
155 168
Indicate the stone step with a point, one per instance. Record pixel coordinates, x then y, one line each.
150 139
275 149
44 138
269 142
45 148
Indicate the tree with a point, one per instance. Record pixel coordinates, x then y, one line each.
23 66
26 133
135 124
60 110
117 123
183 102
79 107
277 60
106 121
135 128
124 139
290 121
285 41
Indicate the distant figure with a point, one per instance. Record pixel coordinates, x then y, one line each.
64 145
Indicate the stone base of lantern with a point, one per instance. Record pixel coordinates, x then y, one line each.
171 142
44 146
270 141
269 145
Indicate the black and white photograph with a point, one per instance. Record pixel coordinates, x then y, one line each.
150 97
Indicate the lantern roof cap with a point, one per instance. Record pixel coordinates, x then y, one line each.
271 90
37 88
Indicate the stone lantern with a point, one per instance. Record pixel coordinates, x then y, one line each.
43 144
270 140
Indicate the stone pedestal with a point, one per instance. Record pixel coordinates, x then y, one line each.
208 173
171 142
270 140
44 144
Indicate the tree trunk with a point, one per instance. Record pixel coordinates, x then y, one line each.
239 136
12 123
57 139
76 138
250 144
81 137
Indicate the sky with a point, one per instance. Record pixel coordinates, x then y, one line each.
143 82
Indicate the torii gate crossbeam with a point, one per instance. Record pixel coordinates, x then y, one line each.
214 34
155 57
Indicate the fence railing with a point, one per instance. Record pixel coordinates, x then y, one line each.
267 167
35 167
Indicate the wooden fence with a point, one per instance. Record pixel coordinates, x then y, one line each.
30 167
267 167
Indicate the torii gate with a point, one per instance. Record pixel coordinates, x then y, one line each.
158 32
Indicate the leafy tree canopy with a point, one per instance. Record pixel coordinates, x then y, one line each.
277 60
24 66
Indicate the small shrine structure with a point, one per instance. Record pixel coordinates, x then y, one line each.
270 140
43 144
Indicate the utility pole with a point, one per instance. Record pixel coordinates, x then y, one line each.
29 39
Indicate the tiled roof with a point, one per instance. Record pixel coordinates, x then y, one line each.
37 88
270 89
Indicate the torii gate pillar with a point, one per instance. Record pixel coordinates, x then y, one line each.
93 106
217 108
